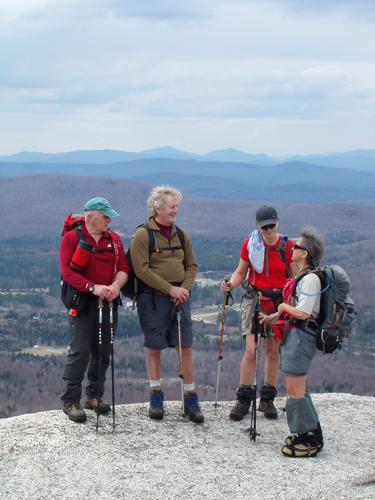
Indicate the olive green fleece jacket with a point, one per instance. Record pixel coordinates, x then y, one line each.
160 269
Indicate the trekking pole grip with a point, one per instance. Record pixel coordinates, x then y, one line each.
226 294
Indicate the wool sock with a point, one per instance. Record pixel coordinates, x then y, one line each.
155 384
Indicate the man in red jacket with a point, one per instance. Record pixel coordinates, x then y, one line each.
266 257
102 277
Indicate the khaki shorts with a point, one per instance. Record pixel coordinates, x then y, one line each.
247 314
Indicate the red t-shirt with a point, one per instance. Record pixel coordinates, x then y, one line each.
277 268
99 269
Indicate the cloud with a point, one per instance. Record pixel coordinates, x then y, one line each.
177 65
363 10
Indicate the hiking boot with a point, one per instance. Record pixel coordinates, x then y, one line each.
300 445
268 408
192 408
267 395
318 438
92 404
245 395
156 411
75 412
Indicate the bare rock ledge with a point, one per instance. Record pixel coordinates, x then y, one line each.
45 456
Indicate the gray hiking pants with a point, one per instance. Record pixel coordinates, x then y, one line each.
84 351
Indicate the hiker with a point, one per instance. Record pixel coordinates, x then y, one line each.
167 271
299 346
266 256
100 279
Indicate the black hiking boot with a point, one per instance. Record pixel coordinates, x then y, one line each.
192 408
156 411
75 412
318 438
92 404
245 395
267 395
301 445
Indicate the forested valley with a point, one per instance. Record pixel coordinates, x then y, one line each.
34 332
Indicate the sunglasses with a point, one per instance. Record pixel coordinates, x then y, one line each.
296 247
268 226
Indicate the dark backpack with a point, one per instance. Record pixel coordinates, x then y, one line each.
134 286
337 310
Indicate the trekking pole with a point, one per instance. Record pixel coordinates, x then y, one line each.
180 367
111 329
221 337
253 415
100 327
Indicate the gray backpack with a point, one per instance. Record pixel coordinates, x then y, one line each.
337 310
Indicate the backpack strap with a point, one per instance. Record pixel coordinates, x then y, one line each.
284 240
153 246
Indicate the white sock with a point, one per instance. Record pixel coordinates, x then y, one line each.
155 384
189 387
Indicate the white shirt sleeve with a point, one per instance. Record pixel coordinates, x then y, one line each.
308 295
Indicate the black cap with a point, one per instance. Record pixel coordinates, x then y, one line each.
266 215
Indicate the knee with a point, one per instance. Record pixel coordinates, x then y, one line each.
249 355
273 355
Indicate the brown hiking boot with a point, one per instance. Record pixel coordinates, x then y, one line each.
267 395
245 395
92 404
268 408
75 412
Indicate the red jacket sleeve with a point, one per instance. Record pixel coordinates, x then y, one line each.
67 248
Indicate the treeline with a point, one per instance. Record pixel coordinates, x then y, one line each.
34 383
34 263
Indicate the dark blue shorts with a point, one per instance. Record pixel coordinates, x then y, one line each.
158 318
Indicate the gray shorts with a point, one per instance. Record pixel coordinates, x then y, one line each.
158 318
247 313
297 352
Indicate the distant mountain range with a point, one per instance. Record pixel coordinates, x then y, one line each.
356 160
292 181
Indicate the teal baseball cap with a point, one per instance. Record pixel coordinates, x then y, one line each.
101 205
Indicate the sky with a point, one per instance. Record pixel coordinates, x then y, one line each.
263 76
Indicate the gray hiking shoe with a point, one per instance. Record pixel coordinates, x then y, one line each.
92 404
245 395
156 411
75 412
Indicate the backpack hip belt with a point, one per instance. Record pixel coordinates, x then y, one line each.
309 326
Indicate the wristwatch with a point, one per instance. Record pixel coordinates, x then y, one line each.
91 288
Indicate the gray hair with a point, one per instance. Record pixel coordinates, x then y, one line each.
158 197
313 241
